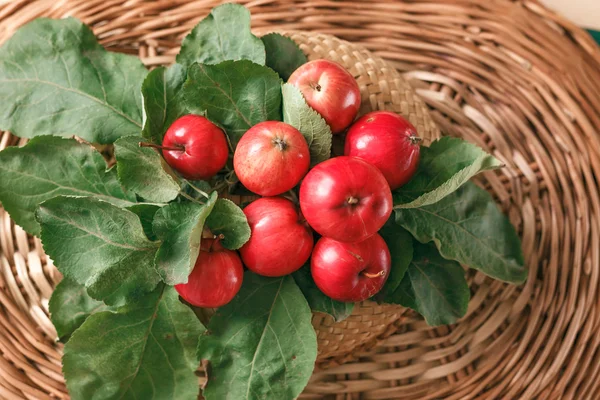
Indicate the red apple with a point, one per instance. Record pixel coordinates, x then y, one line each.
271 158
280 242
330 90
346 199
387 141
216 277
195 147
351 271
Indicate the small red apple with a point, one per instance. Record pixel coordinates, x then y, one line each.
216 277
346 199
280 242
389 142
271 158
195 147
351 271
330 90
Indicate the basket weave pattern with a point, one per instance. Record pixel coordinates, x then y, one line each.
507 75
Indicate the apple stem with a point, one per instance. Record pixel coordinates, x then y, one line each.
377 275
217 239
155 146
352 200
415 139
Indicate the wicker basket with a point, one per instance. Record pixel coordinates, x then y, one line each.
507 75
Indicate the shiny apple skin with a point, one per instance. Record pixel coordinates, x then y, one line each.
216 278
281 241
271 158
204 150
351 271
327 193
389 142
330 90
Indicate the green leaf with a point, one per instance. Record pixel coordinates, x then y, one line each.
283 54
317 300
223 35
235 94
163 100
400 244
179 226
70 305
444 167
140 170
146 213
100 246
50 166
193 188
146 350
229 220
261 345
468 227
309 122
434 287
55 79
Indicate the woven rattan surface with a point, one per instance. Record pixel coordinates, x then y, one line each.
509 76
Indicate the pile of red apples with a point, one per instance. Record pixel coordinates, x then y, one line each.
342 202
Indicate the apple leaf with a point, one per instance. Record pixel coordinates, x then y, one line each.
318 301
192 186
145 350
140 170
70 305
100 246
400 244
444 167
434 287
55 79
229 220
49 166
223 35
283 54
145 213
467 226
309 122
262 344
179 226
235 94
193 189
163 100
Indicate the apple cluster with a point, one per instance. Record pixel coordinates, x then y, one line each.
345 200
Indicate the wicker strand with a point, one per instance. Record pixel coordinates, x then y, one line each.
510 76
